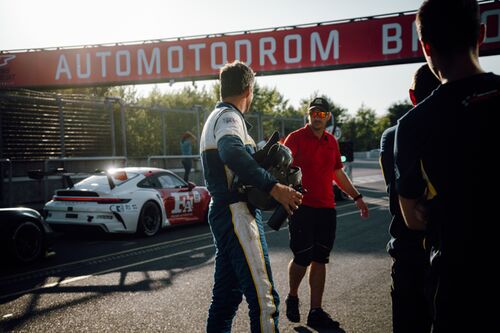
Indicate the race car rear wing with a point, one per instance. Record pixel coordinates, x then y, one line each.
66 176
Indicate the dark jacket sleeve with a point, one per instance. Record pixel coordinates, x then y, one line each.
407 154
233 153
387 155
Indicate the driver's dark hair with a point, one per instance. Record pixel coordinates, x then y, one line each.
424 83
449 26
235 77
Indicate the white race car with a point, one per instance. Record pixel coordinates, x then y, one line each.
129 200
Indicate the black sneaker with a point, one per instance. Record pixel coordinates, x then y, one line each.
292 308
318 318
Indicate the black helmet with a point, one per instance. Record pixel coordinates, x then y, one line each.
278 163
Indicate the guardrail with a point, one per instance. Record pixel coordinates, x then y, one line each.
9 162
73 159
170 157
194 169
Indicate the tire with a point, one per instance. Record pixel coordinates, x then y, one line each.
26 244
149 220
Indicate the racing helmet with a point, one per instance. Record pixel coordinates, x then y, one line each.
278 160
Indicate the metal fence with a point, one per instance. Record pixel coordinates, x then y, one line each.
40 130
37 126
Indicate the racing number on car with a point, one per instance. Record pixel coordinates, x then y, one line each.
183 203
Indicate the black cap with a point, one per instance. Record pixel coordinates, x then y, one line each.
319 103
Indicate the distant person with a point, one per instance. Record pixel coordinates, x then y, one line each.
187 140
443 152
241 261
312 227
410 304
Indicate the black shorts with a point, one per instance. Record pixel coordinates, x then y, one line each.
312 234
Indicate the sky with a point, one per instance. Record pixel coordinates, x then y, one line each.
28 24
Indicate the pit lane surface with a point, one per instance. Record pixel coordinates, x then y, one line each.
110 283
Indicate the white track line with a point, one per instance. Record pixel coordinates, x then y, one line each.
83 277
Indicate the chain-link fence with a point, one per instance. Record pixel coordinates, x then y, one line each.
36 126
45 131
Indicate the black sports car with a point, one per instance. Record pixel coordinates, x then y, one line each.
24 235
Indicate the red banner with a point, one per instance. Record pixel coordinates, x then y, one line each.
350 44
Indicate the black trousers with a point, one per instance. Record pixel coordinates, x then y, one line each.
411 309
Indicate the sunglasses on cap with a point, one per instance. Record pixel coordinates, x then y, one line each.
318 114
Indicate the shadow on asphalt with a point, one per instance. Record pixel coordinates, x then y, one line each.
303 329
166 262
353 235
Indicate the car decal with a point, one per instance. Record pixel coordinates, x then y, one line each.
116 208
197 196
183 203
123 208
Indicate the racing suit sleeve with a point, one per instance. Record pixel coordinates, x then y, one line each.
229 134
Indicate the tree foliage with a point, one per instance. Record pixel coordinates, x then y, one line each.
397 110
360 129
155 123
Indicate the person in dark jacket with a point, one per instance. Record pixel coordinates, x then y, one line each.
410 305
443 151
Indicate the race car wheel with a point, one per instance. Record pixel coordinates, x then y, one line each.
27 242
150 219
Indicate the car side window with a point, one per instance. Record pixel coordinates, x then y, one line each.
149 182
170 181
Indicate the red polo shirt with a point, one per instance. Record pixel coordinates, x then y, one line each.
318 159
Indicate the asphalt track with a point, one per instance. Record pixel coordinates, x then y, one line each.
102 283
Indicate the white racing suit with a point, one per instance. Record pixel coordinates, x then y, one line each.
242 262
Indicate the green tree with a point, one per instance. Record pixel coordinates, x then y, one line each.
361 129
394 112
381 124
100 91
127 94
274 110
167 116
397 110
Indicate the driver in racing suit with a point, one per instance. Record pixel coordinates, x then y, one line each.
241 262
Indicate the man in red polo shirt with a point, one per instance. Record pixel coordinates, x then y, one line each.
312 227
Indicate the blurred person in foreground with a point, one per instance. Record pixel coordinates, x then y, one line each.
410 306
442 152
